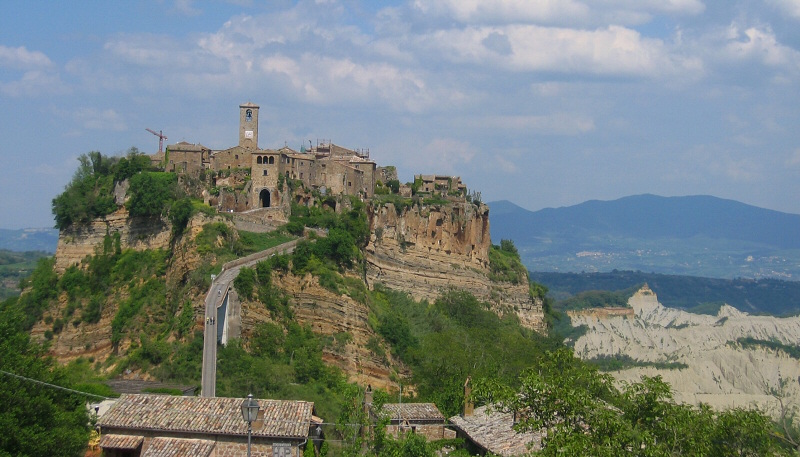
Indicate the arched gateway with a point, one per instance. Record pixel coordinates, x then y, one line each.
264 198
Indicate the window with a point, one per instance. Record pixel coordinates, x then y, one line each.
258 160
349 184
265 172
301 175
271 160
237 156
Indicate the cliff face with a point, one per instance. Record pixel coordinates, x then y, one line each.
94 339
330 314
422 251
425 250
80 240
719 372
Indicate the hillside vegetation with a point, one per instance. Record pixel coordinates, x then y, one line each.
14 266
146 301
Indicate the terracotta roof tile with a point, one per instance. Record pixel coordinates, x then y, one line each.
494 432
112 441
177 447
277 418
413 411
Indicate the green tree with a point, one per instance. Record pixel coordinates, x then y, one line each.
245 282
584 414
36 420
89 194
179 214
150 192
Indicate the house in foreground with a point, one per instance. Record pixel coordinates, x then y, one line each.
150 425
419 418
488 431
403 418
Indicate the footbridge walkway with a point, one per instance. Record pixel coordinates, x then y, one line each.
223 311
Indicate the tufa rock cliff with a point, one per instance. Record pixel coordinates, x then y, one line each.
424 250
81 240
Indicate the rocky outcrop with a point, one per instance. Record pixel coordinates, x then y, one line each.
330 314
426 249
93 340
80 240
719 372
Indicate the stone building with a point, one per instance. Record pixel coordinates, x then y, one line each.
155 425
441 185
186 157
418 418
331 169
487 431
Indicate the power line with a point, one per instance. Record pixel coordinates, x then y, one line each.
87 394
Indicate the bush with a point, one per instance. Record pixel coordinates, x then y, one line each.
93 310
89 194
245 281
179 214
295 228
150 192
505 265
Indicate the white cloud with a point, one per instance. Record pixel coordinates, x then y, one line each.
100 119
185 8
614 50
759 44
794 159
790 7
551 124
33 84
21 59
342 80
440 155
504 11
678 7
556 11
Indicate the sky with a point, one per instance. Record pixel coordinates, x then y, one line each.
545 103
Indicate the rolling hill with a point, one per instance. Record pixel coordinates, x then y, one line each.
694 235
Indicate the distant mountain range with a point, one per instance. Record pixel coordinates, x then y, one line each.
694 235
31 239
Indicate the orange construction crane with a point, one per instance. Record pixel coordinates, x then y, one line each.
161 139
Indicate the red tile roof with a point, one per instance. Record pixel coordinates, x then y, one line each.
222 416
413 411
493 431
112 441
177 447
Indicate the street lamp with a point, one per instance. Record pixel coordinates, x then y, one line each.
249 414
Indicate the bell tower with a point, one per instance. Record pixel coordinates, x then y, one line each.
248 125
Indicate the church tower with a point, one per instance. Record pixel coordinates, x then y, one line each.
248 125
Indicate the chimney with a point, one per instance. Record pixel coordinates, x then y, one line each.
468 405
365 430
368 400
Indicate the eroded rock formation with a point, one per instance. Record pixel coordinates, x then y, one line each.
719 372
425 250
80 240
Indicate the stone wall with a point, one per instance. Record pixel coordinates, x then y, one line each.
235 157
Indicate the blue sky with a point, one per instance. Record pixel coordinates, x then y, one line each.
545 103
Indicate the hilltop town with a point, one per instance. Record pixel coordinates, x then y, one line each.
325 167
318 282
